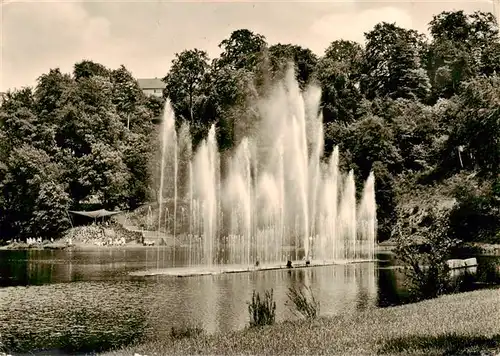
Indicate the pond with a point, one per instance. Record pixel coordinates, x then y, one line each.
86 299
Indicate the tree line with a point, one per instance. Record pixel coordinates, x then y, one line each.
421 112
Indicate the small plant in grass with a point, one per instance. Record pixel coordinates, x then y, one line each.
186 332
3 348
303 303
262 311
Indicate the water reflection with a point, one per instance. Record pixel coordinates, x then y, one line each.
390 281
359 283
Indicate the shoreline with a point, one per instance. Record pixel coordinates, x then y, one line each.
63 246
487 248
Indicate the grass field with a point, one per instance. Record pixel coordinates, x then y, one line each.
459 324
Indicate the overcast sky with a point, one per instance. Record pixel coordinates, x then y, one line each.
144 36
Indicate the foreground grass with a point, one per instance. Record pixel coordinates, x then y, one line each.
460 324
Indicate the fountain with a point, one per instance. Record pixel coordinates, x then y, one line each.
279 198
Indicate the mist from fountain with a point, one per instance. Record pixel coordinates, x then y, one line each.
279 199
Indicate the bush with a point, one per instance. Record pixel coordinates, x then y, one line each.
262 312
476 216
306 305
3 348
424 246
488 271
427 271
186 332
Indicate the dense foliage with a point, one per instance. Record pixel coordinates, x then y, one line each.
422 113
70 142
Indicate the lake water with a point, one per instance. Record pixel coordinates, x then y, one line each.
84 300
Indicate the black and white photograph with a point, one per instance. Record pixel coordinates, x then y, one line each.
250 178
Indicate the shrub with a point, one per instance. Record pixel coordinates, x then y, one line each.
488 271
186 332
262 312
424 246
306 305
3 348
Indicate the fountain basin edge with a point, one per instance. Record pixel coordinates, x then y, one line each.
226 269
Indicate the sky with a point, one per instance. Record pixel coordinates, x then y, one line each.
36 36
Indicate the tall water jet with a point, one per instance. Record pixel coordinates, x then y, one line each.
191 212
314 181
183 171
239 202
330 201
206 184
347 217
367 219
268 205
176 167
314 134
281 182
167 128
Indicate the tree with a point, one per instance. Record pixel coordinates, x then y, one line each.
20 122
450 25
19 127
87 69
370 146
304 60
338 74
335 134
231 93
350 54
477 125
137 155
415 130
392 66
476 215
371 140
448 65
88 116
462 47
32 177
105 173
242 50
50 91
155 105
184 83
128 97
17 99
490 59
473 30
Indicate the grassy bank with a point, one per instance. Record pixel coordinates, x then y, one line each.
460 324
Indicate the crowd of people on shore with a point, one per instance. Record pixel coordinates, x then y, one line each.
30 241
95 234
